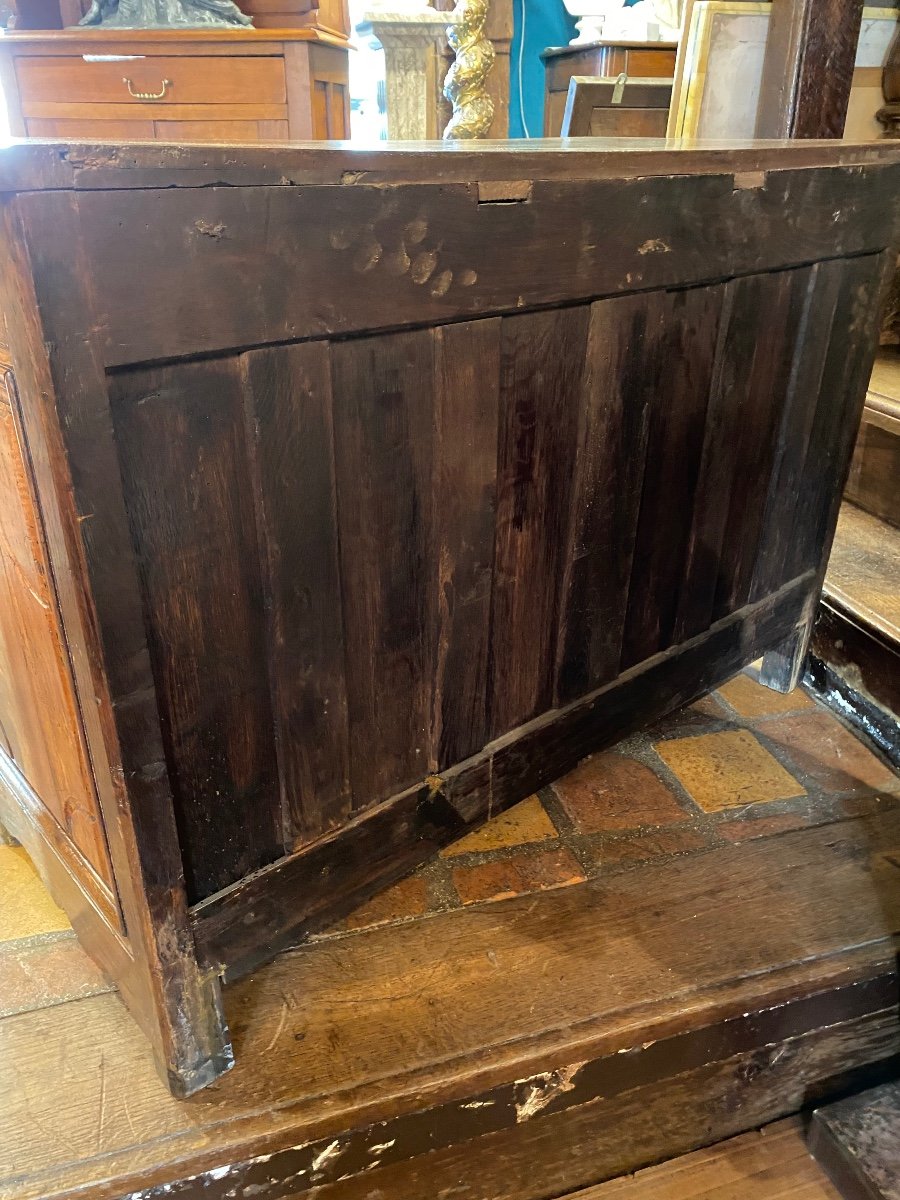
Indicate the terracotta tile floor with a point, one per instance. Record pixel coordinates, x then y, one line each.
739 764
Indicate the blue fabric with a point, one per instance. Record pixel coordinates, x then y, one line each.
546 24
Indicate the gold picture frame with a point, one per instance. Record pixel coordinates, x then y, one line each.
720 58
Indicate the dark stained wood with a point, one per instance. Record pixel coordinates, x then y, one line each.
755 432
808 68
541 366
80 166
640 1043
383 433
774 561
625 359
180 432
846 372
298 895
857 1141
674 450
344 267
289 427
196 333
467 390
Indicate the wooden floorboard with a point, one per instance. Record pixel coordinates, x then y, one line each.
769 1164
687 937
468 1008
864 568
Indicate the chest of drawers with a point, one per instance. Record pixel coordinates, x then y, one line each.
219 85
348 497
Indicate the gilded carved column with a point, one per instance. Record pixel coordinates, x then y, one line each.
466 83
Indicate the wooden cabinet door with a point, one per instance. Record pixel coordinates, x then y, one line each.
40 722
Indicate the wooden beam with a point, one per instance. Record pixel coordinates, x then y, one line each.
808 69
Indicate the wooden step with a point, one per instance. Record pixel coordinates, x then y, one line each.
857 1142
772 1163
875 471
856 644
506 1052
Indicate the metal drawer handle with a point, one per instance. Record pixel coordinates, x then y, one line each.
166 83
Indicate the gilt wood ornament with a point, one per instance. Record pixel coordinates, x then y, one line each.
466 83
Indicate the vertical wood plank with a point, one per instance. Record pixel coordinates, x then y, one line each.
541 368
774 562
181 436
69 427
808 68
674 450
288 398
771 306
467 374
846 371
845 377
383 406
624 364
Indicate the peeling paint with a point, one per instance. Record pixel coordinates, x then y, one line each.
544 1088
655 246
332 1150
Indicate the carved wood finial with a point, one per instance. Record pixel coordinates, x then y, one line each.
465 85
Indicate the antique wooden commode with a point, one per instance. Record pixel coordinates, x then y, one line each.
348 497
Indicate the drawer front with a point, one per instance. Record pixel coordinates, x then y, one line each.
48 86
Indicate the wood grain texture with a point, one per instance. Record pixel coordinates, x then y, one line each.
301 894
70 433
288 400
40 720
674 450
467 390
78 83
808 68
855 1142
383 435
345 267
626 355
192 323
770 1161
427 1043
775 561
180 432
774 310
541 365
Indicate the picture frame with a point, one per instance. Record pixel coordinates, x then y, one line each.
719 68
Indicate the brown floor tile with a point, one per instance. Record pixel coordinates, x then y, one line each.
751 699
610 791
516 876
524 823
659 843
831 755
727 770
46 973
408 898
747 828
26 908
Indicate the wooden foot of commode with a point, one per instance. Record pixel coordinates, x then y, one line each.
782 667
